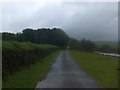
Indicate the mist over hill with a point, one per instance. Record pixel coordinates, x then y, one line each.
113 44
97 21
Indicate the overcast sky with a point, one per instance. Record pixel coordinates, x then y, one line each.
92 20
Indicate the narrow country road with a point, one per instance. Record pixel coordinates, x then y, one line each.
65 73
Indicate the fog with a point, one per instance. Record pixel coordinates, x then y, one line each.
96 21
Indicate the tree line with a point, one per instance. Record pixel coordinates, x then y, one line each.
55 36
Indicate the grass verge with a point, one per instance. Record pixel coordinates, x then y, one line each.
28 78
102 68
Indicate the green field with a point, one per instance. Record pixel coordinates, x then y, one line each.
103 69
112 44
28 78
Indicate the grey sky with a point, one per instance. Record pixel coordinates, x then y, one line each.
92 20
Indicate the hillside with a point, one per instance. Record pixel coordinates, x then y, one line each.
113 44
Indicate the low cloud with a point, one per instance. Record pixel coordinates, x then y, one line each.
92 20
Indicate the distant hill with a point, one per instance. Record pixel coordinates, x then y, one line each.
113 44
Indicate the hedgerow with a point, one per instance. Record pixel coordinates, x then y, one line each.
16 55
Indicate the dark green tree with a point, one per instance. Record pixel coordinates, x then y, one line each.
28 35
105 48
87 45
55 36
8 36
74 44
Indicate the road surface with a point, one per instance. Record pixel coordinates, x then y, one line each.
65 73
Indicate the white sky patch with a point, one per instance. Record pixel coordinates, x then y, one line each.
59 0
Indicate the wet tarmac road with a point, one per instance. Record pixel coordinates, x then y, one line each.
65 73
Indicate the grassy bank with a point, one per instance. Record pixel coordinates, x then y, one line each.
28 78
102 68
